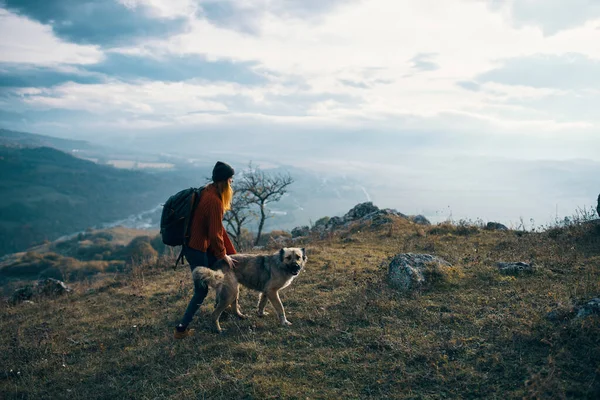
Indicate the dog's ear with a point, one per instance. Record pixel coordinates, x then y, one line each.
281 254
303 253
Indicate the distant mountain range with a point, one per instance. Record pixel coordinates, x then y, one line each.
10 138
47 193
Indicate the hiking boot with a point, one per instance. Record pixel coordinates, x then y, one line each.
181 332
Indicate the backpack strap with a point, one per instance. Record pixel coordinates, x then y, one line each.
188 224
180 258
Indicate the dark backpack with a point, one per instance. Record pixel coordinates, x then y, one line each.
176 218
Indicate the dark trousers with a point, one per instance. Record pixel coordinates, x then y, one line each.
196 258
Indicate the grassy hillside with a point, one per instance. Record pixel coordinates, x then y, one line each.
47 193
479 335
90 255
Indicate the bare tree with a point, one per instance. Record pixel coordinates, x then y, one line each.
238 216
263 188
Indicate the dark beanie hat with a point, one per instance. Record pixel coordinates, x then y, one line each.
222 171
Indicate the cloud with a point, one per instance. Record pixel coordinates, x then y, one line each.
26 75
567 71
354 84
149 98
173 68
298 66
469 85
552 16
25 41
101 22
247 16
424 62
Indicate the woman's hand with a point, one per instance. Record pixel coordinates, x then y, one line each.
230 261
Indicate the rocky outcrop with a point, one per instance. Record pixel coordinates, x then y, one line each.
43 287
409 271
360 211
514 268
363 212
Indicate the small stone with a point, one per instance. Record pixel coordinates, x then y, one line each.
592 307
510 268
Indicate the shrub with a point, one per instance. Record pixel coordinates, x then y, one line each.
158 245
139 250
322 221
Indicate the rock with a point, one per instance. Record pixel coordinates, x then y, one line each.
300 231
51 287
553 315
562 313
361 210
334 222
43 287
407 271
22 294
592 307
397 213
514 268
420 219
495 226
368 212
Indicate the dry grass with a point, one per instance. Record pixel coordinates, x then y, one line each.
478 335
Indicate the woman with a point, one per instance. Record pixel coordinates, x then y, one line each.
209 241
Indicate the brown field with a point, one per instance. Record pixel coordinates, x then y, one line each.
478 335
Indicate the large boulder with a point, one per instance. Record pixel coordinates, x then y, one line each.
408 271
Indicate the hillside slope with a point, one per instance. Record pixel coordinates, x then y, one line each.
482 335
10 138
47 193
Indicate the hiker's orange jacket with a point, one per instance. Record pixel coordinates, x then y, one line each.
207 232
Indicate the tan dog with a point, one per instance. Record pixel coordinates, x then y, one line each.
267 274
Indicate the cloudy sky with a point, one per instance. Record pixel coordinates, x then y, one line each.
493 77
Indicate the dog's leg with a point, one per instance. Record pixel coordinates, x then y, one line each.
276 301
226 297
262 302
236 305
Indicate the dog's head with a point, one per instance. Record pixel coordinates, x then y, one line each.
293 259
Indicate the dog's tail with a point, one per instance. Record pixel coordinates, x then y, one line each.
206 276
